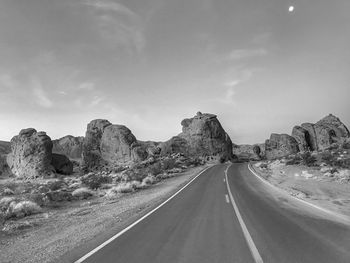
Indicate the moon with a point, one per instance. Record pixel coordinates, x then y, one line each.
291 9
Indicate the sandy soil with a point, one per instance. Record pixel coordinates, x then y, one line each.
65 233
310 185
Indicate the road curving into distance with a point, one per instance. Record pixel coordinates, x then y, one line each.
207 222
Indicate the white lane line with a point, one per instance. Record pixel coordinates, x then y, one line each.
136 222
295 198
248 238
227 200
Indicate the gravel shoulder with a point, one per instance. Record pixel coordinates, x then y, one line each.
67 233
310 185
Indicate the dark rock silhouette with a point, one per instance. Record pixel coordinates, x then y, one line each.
61 164
31 154
201 136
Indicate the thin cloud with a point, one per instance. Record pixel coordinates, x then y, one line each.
110 6
40 95
7 81
86 86
119 25
239 54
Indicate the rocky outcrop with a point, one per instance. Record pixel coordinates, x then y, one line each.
302 136
201 136
5 147
70 146
246 152
31 154
280 145
321 135
62 164
106 144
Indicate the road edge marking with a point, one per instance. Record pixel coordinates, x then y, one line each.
80 260
298 199
248 238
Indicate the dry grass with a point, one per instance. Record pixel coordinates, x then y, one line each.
82 193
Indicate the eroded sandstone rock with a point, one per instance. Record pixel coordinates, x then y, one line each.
201 136
31 154
70 146
280 145
62 164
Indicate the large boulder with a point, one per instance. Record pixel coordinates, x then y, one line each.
106 144
246 152
321 135
330 130
201 136
61 164
117 144
31 154
91 155
280 145
70 146
302 136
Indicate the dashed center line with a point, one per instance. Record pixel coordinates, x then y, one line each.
224 180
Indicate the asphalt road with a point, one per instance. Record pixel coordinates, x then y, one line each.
200 225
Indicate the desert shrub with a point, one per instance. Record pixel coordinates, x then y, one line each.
22 209
94 181
295 160
8 191
308 159
126 187
327 157
150 179
342 163
55 185
5 202
346 145
155 168
37 198
168 163
82 193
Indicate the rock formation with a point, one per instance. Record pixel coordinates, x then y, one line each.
106 144
5 147
280 145
69 146
321 135
247 152
31 154
201 136
62 164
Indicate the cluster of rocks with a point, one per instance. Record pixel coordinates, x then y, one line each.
306 137
246 152
33 154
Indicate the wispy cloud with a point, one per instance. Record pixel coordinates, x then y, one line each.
238 54
110 6
40 95
118 24
86 86
96 101
7 81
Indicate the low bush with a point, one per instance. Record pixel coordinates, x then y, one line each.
82 193
125 187
150 179
308 159
22 209
55 185
94 181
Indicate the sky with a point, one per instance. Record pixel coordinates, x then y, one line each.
148 64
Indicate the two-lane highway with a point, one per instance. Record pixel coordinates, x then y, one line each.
200 225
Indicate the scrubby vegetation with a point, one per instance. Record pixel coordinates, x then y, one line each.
21 198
